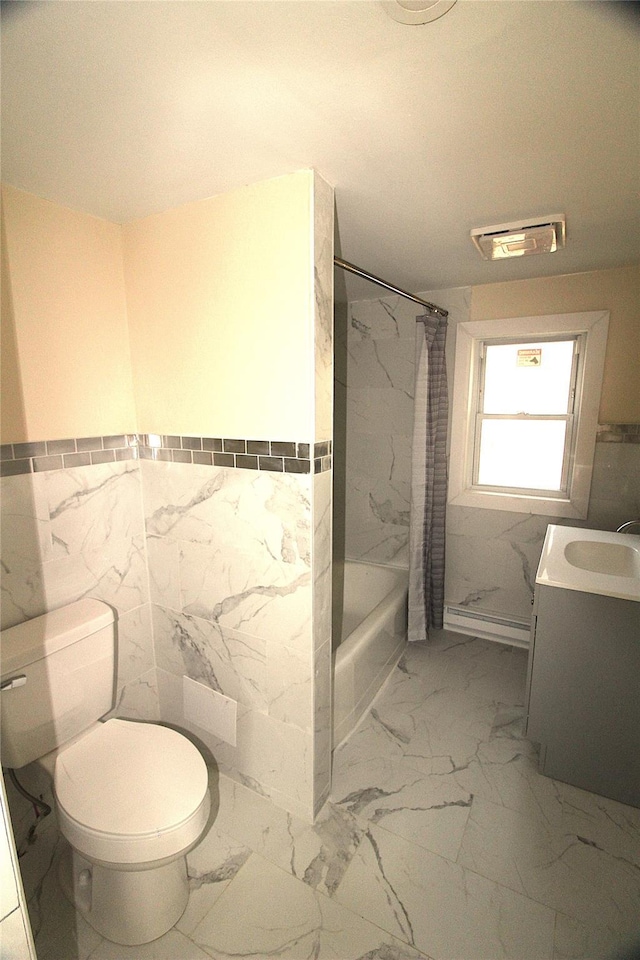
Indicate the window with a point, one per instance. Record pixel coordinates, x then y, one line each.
525 409
525 414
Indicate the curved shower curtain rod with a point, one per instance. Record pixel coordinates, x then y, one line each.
344 265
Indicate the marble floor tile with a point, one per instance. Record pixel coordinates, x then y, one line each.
505 772
440 839
317 854
36 858
211 866
579 940
59 931
371 740
440 733
173 946
429 811
439 907
323 852
491 671
582 870
608 823
266 912
257 823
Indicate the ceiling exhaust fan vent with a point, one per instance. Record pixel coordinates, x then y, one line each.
520 239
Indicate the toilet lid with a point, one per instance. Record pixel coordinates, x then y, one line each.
130 779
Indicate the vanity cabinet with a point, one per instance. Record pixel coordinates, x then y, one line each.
583 690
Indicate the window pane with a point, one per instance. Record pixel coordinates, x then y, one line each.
522 453
532 378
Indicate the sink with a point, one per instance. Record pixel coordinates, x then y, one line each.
591 561
611 559
584 662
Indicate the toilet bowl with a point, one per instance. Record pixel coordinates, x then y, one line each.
132 799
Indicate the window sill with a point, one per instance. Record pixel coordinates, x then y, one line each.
520 503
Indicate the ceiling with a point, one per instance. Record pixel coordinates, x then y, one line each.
496 111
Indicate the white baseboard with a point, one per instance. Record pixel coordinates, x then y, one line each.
475 623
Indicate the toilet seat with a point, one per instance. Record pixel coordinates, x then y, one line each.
131 792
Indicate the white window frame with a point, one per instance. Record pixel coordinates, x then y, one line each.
592 329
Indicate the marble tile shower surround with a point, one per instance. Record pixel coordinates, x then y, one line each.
440 840
491 555
380 344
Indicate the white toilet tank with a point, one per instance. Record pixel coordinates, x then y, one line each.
58 677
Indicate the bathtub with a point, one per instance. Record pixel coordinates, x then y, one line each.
371 640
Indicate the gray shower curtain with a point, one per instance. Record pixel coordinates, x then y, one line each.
428 481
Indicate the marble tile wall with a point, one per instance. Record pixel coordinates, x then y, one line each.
380 347
323 305
212 579
230 569
75 532
322 612
67 533
492 555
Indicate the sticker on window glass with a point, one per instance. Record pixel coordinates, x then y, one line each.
530 358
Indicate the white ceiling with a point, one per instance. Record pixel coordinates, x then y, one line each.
499 110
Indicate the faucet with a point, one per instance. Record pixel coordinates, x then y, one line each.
630 523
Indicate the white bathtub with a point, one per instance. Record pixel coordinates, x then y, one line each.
374 634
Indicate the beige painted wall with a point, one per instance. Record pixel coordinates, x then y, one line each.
12 422
220 298
616 290
70 336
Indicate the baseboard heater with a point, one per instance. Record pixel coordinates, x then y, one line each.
474 623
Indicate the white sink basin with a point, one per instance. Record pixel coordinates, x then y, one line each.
612 559
592 561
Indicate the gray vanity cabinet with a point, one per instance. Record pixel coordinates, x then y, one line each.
583 690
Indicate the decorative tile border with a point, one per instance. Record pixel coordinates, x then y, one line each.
273 455
618 433
17 458
280 456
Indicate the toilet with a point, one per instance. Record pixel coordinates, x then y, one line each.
131 798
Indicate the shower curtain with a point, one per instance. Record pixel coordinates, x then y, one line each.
428 481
